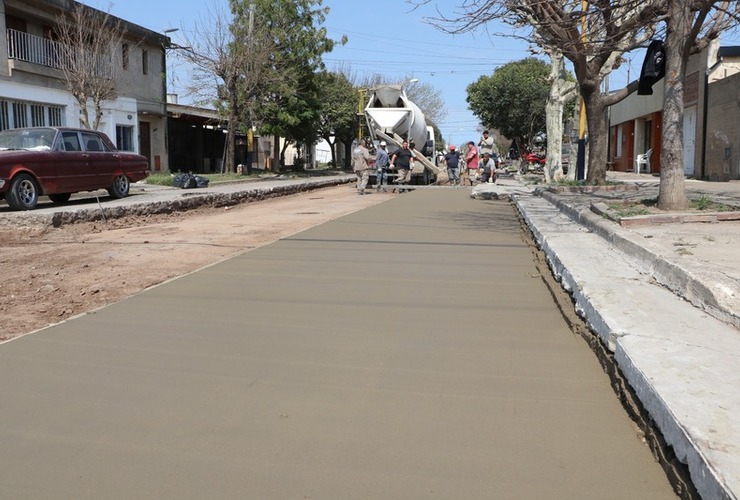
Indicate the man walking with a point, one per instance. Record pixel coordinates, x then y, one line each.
403 159
381 164
361 158
452 161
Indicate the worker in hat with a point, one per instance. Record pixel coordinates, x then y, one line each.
452 161
381 167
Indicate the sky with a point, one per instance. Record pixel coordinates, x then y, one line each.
384 36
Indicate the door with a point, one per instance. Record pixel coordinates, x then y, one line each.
689 140
74 169
105 163
145 141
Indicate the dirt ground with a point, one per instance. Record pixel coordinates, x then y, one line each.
51 274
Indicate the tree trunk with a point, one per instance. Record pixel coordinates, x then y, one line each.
84 114
98 113
282 155
347 156
561 91
275 154
333 149
597 134
672 192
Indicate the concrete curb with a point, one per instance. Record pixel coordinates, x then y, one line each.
702 290
684 378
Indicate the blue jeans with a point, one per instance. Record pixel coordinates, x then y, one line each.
381 177
454 175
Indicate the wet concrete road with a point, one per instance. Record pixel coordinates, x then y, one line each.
405 351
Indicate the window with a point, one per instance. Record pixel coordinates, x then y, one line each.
55 116
124 138
620 138
15 114
20 117
37 115
124 55
92 142
145 61
4 116
71 141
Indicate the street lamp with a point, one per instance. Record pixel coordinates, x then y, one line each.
406 83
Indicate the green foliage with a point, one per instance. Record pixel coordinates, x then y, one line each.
338 105
513 99
290 107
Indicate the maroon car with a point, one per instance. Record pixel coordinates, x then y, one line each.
59 161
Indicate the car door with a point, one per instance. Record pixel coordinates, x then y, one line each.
105 162
74 172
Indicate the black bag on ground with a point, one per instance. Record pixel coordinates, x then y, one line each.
184 181
201 182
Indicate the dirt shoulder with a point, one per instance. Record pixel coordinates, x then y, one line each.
51 274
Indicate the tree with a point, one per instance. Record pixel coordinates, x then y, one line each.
289 107
338 107
513 99
690 26
231 57
563 90
87 43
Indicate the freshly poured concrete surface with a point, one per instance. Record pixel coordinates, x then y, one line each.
408 350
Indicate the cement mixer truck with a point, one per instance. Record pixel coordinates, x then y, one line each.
393 118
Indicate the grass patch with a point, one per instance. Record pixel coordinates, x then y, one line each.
705 202
632 208
165 178
621 212
570 182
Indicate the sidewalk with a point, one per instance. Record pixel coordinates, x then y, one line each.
147 199
665 299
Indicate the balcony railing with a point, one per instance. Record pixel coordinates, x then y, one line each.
38 50
33 49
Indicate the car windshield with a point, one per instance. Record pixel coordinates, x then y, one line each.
35 139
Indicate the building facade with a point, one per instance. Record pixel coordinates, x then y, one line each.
33 91
636 122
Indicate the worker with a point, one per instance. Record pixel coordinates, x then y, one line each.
487 168
381 164
361 159
452 161
471 162
403 161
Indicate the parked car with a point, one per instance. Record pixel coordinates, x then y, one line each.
59 161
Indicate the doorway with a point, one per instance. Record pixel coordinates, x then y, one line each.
145 142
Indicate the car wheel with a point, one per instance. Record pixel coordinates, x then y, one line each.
60 198
120 187
23 193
